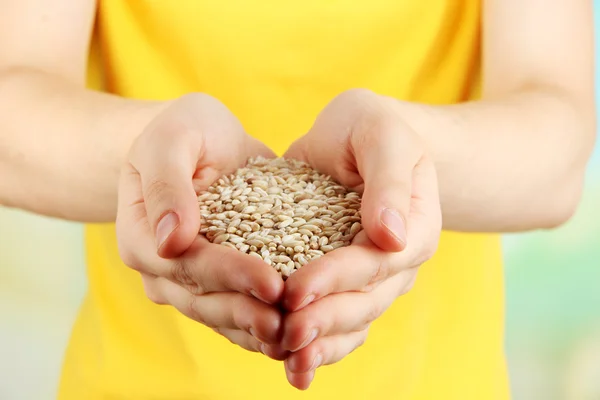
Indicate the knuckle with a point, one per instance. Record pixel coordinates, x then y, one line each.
154 189
202 101
242 314
180 273
152 292
225 266
382 270
374 311
358 95
126 252
218 270
368 133
196 98
192 310
426 250
410 284
129 257
155 297
425 254
195 289
362 338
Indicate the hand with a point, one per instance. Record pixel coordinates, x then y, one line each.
362 142
183 151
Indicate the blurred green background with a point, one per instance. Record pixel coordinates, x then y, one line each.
553 302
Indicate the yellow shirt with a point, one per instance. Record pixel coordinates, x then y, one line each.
276 64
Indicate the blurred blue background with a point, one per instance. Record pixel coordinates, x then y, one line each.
553 302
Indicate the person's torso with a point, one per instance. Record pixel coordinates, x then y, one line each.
276 64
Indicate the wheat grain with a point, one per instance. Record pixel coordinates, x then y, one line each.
281 211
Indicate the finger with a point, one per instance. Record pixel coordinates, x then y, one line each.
300 381
135 239
325 351
213 267
225 310
228 145
343 312
183 151
362 265
325 147
386 151
250 343
274 351
349 268
165 156
241 338
373 149
425 218
203 268
131 222
151 290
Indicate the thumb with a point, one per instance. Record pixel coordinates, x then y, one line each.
387 171
173 212
385 210
166 171
298 150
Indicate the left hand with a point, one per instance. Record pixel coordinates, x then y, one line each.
362 142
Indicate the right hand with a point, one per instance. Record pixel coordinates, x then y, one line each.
184 150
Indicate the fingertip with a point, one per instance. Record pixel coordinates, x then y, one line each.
296 151
291 364
296 298
384 214
260 149
387 230
301 381
302 288
176 230
274 352
269 287
294 332
174 237
266 325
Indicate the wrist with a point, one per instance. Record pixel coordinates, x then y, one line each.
135 120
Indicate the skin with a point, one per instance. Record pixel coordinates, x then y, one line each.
185 149
334 299
518 156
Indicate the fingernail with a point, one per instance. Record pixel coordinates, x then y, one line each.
307 300
263 349
309 338
394 223
317 362
165 227
259 297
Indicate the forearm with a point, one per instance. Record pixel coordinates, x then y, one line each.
61 146
511 164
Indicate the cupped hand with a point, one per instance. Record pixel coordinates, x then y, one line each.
183 151
362 141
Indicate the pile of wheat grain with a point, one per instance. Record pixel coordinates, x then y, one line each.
281 211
